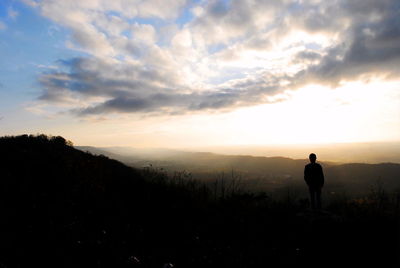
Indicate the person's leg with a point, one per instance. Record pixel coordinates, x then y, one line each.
312 197
318 197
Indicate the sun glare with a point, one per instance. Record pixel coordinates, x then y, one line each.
318 114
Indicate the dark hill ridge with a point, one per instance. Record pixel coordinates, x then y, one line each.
61 207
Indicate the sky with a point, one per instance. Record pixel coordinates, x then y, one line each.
184 73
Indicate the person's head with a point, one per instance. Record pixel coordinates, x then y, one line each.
312 157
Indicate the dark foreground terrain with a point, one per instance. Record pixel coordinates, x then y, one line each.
61 207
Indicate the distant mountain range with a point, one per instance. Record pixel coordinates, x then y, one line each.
367 152
361 152
257 172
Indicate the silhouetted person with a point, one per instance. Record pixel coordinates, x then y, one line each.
314 177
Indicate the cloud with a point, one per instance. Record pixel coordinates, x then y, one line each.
134 88
32 3
46 66
307 56
222 21
372 47
12 13
230 54
3 26
102 27
144 33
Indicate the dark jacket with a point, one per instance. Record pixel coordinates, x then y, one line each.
313 175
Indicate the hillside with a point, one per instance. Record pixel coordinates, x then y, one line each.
62 207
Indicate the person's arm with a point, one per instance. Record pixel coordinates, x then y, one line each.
306 177
322 177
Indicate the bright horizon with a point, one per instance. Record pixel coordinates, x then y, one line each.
191 74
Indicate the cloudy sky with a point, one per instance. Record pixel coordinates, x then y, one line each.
184 73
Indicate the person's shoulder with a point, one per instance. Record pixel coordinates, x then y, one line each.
308 165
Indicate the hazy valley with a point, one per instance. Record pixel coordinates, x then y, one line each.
273 174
